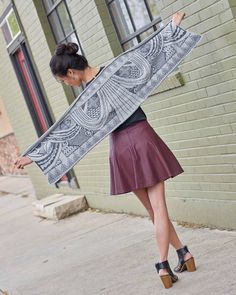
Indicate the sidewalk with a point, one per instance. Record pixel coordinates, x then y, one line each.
101 253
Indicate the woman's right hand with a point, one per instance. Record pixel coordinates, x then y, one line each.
178 17
22 161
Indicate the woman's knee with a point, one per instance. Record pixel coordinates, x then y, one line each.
156 194
143 197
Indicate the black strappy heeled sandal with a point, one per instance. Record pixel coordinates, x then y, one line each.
167 279
183 265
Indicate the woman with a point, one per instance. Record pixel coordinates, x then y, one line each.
139 160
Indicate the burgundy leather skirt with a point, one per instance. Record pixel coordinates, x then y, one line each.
139 158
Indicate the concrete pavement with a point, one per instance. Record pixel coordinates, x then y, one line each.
101 253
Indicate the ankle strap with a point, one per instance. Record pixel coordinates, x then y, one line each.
162 265
182 251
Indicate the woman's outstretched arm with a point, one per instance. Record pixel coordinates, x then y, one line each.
21 162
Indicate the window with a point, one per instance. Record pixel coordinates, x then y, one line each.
10 27
62 26
134 20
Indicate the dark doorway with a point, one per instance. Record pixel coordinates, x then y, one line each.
35 100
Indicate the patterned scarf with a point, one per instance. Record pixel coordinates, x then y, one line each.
115 93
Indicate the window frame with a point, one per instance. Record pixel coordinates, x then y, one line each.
4 21
48 12
54 8
137 32
175 79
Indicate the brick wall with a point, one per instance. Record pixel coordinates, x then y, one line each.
9 151
197 120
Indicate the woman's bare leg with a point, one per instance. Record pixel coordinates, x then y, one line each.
142 195
156 194
144 199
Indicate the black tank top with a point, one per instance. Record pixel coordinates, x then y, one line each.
137 116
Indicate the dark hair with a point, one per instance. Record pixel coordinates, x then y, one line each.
65 57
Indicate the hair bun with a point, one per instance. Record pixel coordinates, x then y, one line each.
60 49
70 48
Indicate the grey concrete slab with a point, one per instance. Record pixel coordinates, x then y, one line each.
104 253
59 206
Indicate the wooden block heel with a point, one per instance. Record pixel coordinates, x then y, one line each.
166 280
190 264
183 265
